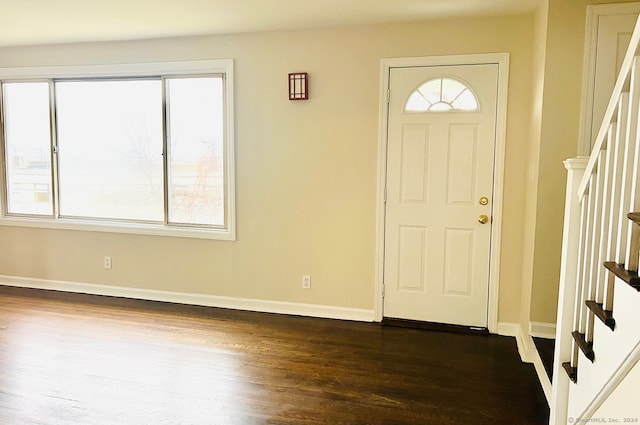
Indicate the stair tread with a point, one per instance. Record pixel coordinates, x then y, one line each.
634 216
605 316
571 371
628 276
585 346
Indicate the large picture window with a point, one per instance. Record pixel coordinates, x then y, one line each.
110 151
148 153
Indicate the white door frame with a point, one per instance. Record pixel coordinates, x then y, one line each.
502 60
594 12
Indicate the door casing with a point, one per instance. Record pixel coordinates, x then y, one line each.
502 60
594 15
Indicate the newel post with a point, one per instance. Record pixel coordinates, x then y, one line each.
567 292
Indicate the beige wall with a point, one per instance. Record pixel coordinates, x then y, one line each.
533 159
306 171
559 141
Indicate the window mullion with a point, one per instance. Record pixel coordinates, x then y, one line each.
55 183
165 147
3 160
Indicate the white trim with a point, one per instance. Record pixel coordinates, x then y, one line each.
508 329
514 330
612 383
265 306
528 353
217 66
92 225
383 125
566 291
545 382
622 79
502 60
118 70
594 12
230 128
542 330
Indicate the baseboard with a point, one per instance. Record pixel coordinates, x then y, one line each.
542 330
514 330
528 353
264 306
545 382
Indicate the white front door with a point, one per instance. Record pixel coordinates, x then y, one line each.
439 187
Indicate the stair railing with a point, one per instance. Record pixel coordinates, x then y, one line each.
601 191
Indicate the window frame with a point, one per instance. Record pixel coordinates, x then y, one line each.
453 109
160 70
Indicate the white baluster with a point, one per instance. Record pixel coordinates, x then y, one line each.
581 269
616 194
630 144
605 218
588 257
597 185
633 232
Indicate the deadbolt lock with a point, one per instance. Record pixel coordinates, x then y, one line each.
483 219
484 200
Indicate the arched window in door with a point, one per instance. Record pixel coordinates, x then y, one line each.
442 94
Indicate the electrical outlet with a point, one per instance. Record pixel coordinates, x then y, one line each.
107 262
306 281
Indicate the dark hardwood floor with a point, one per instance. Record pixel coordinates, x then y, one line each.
545 349
69 359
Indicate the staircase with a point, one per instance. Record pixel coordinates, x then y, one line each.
598 337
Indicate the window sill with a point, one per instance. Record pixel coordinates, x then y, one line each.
227 234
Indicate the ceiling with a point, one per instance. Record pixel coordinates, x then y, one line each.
24 22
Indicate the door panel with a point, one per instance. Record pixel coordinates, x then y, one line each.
413 242
614 35
458 261
414 172
439 164
461 164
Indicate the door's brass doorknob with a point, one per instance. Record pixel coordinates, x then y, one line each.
483 219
